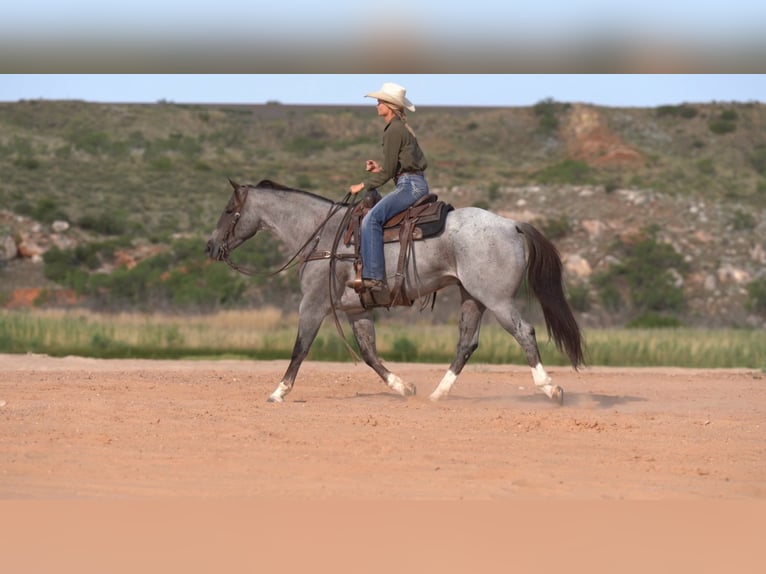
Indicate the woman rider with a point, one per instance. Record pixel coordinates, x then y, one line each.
405 163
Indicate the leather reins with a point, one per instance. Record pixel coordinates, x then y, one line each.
297 259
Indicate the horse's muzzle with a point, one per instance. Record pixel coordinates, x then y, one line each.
214 250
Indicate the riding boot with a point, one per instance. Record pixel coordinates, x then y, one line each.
379 291
376 291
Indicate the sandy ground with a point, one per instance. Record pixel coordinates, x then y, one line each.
153 466
76 428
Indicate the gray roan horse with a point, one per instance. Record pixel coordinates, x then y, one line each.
485 255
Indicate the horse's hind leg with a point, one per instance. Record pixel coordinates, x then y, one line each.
364 332
524 333
471 312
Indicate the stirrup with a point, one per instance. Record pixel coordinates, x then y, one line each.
372 292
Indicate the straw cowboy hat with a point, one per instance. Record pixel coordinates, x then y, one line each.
393 94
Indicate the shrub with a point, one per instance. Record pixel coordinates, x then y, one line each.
305 146
608 292
756 296
725 123
611 186
547 113
706 166
403 350
106 223
161 163
556 228
682 111
27 162
94 143
579 298
303 181
569 171
645 274
743 221
46 210
493 191
758 159
654 321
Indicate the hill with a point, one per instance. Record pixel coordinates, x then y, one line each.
658 212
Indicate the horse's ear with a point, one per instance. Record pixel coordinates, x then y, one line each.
234 184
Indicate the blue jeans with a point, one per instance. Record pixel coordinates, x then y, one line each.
409 188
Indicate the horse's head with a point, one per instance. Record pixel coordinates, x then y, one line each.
234 227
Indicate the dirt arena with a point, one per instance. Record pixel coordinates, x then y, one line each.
154 466
76 428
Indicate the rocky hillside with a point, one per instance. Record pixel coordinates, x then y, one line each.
594 179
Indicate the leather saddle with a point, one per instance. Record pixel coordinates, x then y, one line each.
425 218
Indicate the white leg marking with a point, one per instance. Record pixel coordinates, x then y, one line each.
542 380
279 393
398 385
443 389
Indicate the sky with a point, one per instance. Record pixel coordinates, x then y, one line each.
75 17
339 36
614 90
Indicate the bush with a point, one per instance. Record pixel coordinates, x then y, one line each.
305 146
579 298
556 228
608 292
743 221
27 162
756 296
682 111
94 143
46 210
725 123
403 350
569 171
654 321
758 159
644 274
107 223
706 166
547 111
611 186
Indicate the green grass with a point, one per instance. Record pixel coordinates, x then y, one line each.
267 335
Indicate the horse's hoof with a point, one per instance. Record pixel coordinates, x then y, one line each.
558 395
273 399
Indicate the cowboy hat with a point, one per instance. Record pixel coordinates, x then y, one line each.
393 94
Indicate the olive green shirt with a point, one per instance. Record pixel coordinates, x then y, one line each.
401 152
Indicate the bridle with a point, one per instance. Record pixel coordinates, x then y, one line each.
348 201
297 258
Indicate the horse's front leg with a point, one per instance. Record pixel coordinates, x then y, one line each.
364 332
310 319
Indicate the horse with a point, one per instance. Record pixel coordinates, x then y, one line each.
486 255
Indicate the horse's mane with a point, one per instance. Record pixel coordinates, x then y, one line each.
269 184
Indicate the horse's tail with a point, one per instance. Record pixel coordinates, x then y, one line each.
545 280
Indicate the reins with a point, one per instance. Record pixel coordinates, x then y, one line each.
297 259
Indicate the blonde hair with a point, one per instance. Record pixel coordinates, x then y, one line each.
401 114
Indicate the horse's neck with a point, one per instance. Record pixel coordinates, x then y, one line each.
292 215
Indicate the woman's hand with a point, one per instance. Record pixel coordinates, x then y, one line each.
354 189
372 165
